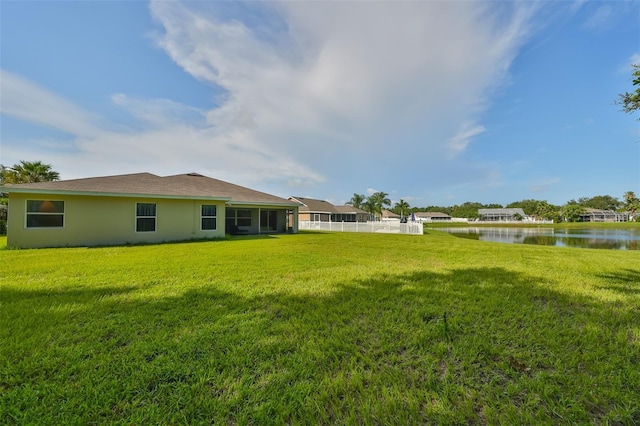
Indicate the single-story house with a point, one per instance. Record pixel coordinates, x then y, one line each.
313 210
388 215
502 215
140 208
432 217
597 215
348 213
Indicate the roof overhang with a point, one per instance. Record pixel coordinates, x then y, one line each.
258 204
106 194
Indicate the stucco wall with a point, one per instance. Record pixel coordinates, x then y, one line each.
90 221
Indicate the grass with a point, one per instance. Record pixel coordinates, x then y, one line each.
320 328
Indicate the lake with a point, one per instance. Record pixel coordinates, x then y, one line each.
612 239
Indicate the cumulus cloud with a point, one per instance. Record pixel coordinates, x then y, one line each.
336 84
312 92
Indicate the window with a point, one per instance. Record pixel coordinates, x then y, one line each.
238 217
45 214
145 217
208 217
268 220
243 217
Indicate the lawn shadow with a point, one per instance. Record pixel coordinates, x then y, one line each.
471 345
626 281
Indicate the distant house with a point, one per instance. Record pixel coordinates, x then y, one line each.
432 217
140 208
388 215
597 215
502 215
350 214
313 210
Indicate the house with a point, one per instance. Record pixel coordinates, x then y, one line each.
348 213
432 217
502 215
313 210
139 208
598 215
388 215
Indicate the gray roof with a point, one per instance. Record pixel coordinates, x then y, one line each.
191 185
389 214
350 209
314 206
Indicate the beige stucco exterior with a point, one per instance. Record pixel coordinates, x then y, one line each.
106 220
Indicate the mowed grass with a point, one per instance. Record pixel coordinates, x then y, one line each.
320 328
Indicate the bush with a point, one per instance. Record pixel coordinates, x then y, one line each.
3 227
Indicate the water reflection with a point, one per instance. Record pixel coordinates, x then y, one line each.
612 239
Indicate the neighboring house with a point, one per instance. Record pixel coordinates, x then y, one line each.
502 215
389 215
140 208
432 217
597 215
313 210
350 214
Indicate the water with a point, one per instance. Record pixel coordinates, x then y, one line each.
612 239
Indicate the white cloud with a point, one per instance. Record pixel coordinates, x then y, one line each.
462 138
174 138
338 78
29 102
602 18
317 92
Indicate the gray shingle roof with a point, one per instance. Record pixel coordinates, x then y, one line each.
349 209
314 206
191 185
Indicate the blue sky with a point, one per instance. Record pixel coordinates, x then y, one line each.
433 102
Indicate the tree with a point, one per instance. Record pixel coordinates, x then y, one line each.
528 206
379 200
369 206
631 101
601 202
357 201
402 206
572 212
631 204
545 211
468 210
27 172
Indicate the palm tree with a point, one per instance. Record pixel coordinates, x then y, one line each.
403 206
27 172
369 206
631 203
379 200
357 201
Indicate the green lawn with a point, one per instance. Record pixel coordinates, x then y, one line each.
320 328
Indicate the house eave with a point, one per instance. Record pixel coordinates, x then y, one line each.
10 190
259 203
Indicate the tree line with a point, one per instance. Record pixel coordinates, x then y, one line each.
537 209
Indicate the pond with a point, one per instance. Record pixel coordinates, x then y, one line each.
612 239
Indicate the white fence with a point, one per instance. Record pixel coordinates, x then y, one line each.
390 227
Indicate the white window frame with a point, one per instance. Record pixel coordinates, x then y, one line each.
214 217
28 213
155 218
